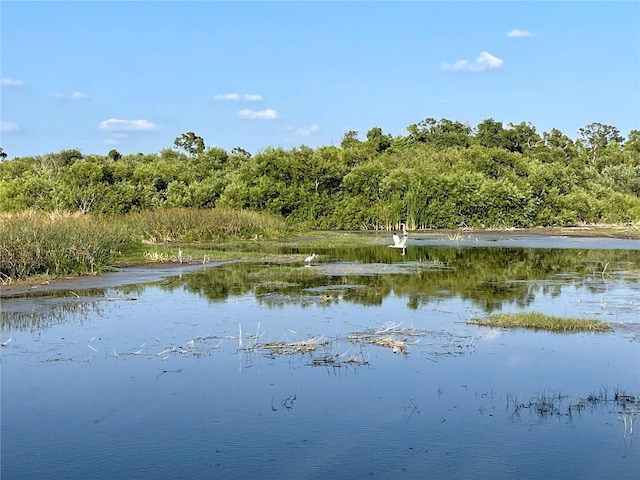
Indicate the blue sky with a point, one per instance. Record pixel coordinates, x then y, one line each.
135 75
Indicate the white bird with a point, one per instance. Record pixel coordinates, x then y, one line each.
400 242
309 259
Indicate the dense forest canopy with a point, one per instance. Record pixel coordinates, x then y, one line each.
440 174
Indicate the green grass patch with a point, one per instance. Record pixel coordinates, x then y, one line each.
539 321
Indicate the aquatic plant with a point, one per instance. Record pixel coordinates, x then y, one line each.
540 321
550 403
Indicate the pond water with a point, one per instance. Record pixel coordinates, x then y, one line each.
362 365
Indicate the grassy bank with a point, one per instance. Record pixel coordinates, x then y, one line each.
539 321
35 243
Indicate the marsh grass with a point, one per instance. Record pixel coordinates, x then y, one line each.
56 244
202 225
33 243
540 321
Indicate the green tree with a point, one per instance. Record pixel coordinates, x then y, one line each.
190 143
114 155
210 163
520 137
80 186
489 133
442 133
51 163
632 145
350 140
377 140
240 151
596 136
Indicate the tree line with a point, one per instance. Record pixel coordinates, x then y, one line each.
440 174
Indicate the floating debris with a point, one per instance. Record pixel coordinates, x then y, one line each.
291 348
389 336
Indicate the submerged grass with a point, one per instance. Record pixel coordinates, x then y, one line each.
540 321
549 403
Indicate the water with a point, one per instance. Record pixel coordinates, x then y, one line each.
182 375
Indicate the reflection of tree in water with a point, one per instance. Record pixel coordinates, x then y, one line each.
489 277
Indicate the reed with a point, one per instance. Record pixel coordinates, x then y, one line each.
35 243
190 224
539 321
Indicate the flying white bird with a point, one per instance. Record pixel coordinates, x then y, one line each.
309 259
400 242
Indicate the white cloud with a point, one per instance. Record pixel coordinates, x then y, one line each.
78 95
268 114
72 95
484 62
235 96
227 96
6 127
9 82
305 131
517 33
118 125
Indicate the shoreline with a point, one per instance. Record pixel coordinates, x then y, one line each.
130 273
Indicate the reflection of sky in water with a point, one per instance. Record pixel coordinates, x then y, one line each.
100 399
520 240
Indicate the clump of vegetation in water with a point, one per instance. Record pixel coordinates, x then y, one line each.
539 321
549 403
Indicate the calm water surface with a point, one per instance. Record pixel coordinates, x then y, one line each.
361 366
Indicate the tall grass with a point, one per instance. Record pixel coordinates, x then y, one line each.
189 224
36 243
33 243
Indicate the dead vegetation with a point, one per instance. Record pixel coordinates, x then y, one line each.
338 351
390 336
292 348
